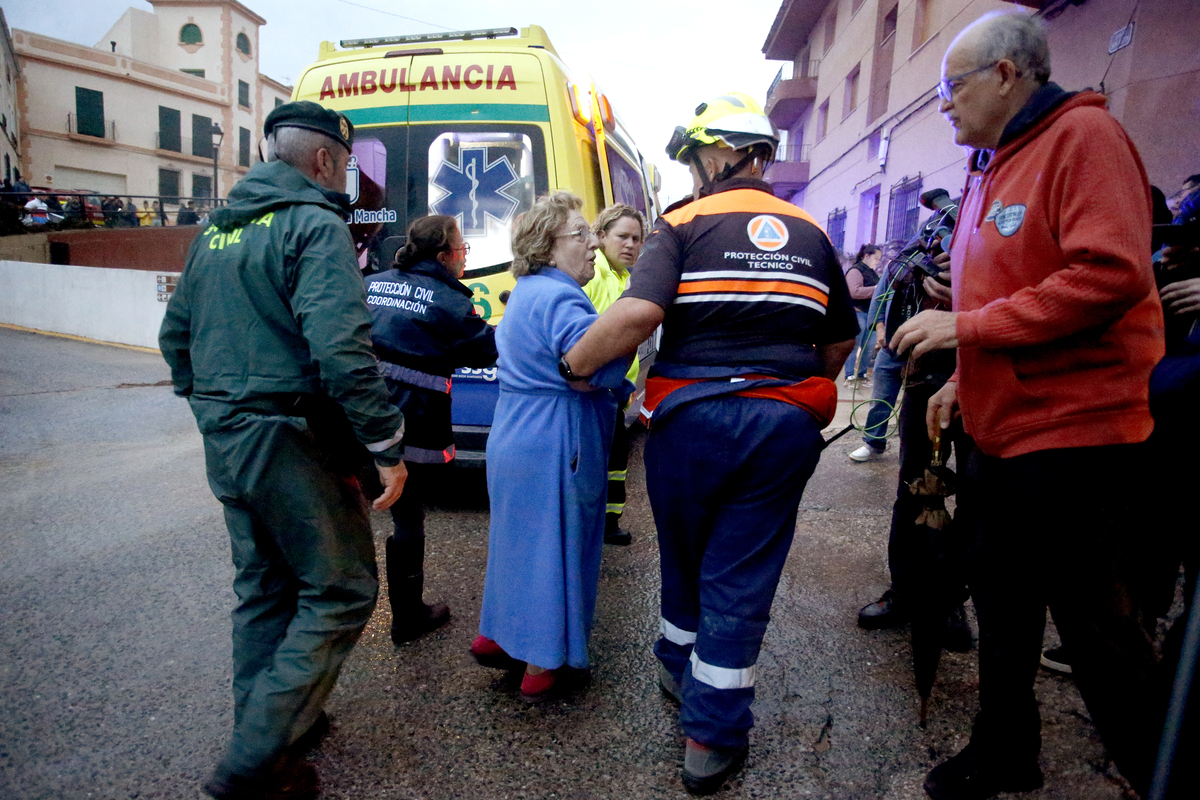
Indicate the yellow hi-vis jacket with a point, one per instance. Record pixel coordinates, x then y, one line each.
603 290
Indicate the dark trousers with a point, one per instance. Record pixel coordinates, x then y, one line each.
1056 529
725 477
305 580
618 469
905 541
405 548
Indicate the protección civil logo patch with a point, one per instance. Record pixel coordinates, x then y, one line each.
767 233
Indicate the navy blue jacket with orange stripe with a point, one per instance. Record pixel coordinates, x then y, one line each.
749 283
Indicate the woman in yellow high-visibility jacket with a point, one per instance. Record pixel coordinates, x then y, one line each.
622 231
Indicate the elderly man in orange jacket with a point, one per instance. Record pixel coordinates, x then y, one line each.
1057 328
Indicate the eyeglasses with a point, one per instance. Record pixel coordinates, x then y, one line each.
582 235
946 86
465 248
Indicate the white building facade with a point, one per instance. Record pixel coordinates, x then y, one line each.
138 113
10 121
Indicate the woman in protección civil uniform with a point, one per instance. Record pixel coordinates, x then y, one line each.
424 326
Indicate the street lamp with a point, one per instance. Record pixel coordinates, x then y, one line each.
220 135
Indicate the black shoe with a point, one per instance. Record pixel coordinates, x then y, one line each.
414 626
973 776
705 769
312 737
668 684
618 537
958 637
886 612
290 779
612 531
1057 660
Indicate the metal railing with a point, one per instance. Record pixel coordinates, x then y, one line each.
794 152
808 69
108 128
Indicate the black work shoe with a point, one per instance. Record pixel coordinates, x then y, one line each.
958 637
618 537
970 775
668 684
417 625
312 737
290 779
886 612
705 769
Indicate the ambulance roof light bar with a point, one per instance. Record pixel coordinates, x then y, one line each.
483 33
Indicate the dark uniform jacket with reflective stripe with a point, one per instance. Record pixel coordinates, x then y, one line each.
271 305
424 326
749 283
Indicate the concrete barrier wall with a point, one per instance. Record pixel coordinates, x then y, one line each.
110 305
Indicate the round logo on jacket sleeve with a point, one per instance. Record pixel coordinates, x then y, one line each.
767 233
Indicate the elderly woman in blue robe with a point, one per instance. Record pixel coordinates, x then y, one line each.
547 459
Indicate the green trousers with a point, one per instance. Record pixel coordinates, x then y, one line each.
306 579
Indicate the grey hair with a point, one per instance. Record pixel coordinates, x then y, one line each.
1018 37
295 146
533 232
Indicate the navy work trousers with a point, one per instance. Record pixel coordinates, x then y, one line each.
305 580
725 477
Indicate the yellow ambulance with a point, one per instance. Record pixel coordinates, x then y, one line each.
475 125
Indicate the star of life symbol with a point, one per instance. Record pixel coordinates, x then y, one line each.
1008 220
767 233
474 189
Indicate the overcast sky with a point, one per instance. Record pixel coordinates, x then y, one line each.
656 60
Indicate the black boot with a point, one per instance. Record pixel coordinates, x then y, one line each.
411 617
612 531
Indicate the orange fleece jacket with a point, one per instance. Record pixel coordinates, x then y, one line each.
1060 326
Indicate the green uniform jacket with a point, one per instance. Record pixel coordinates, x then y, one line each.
271 301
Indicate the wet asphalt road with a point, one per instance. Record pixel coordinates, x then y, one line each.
115 593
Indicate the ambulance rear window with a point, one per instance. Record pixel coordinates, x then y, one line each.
484 179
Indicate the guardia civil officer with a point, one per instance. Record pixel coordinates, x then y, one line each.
267 336
757 322
424 326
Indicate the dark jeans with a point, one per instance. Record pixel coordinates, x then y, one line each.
905 542
1057 528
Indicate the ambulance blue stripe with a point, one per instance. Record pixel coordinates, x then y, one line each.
453 112
772 275
750 298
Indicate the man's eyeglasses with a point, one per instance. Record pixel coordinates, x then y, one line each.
582 235
946 86
465 248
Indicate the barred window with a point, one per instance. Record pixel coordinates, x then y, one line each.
836 228
904 210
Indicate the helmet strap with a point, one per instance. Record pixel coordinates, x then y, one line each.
733 169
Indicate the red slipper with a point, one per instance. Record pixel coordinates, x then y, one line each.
490 654
536 688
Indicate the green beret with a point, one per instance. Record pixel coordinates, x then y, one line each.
307 114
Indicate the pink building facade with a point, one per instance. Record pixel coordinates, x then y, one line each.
857 103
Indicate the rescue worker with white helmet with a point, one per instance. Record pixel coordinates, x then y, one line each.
757 323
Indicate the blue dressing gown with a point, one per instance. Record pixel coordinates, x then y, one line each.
547 475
